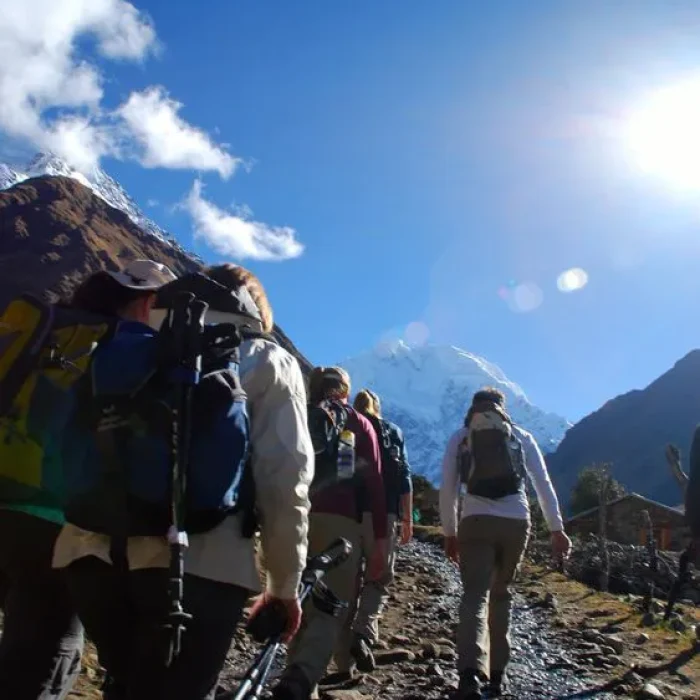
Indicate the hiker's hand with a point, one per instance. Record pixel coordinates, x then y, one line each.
377 561
561 545
406 530
452 549
289 608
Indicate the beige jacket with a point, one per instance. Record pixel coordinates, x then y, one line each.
282 463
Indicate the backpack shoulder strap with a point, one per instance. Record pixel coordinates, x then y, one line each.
385 433
248 333
340 414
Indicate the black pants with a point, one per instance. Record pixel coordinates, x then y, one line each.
123 614
42 638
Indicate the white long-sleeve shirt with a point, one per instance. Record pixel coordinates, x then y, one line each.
515 506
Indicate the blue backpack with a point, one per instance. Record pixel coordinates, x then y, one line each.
162 443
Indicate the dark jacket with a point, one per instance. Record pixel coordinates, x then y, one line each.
396 470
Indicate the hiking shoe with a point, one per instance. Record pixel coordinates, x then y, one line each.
337 678
361 652
469 686
498 684
294 685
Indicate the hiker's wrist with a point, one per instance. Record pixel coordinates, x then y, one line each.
285 589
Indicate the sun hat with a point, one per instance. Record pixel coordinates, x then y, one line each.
147 275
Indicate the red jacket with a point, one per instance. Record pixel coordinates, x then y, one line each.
342 498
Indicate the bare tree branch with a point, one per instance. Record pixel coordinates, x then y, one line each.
673 457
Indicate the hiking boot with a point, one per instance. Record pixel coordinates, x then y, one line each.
361 652
337 678
469 685
498 684
294 685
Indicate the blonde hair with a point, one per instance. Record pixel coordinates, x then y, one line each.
234 277
367 402
328 383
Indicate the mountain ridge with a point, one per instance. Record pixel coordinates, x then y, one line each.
55 231
103 185
427 389
630 431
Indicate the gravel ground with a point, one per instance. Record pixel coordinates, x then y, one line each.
418 658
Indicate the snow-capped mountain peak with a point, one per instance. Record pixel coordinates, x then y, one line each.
427 391
104 186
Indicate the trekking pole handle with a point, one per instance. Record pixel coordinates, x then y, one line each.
270 622
332 557
193 349
177 322
257 674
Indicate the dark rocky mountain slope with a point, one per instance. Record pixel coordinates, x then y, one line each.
54 231
632 430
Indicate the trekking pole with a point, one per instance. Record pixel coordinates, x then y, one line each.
186 321
253 682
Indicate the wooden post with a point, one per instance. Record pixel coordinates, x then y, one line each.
653 561
603 495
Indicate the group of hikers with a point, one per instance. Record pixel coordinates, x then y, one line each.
163 460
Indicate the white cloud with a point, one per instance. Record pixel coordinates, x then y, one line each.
239 237
127 35
51 92
166 139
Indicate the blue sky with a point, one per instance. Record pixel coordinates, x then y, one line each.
436 159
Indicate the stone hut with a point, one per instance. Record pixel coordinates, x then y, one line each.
626 523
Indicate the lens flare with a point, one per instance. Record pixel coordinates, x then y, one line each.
572 280
416 333
527 297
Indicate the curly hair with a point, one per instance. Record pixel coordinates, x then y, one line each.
234 277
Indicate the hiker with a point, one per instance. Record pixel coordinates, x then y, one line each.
42 637
114 549
347 465
491 457
396 476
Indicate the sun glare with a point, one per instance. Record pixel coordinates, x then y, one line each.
664 134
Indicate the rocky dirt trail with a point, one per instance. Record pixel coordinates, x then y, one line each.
563 650
570 643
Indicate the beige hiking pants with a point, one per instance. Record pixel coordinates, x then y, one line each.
375 594
321 634
490 550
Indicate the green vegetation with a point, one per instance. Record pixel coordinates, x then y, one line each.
586 492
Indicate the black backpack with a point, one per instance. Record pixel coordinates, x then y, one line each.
393 465
491 458
327 420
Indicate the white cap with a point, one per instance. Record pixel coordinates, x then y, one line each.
144 274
